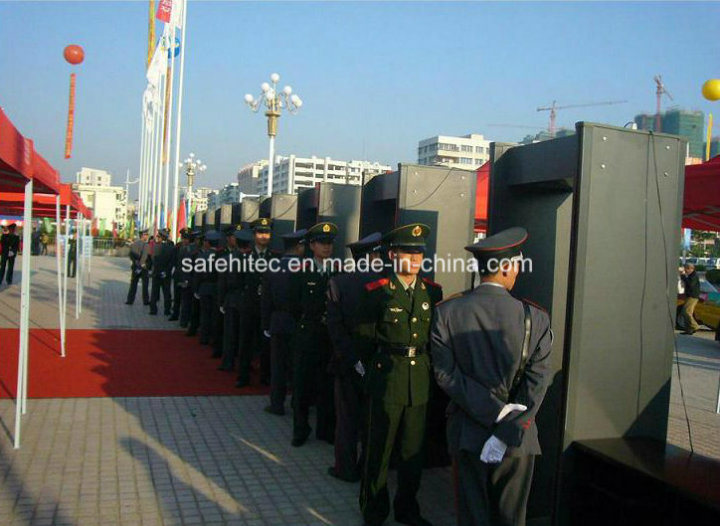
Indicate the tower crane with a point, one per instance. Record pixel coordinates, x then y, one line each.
553 109
659 92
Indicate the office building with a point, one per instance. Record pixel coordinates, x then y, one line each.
467 152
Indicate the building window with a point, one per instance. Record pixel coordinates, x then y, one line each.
479 149
465 160
466 148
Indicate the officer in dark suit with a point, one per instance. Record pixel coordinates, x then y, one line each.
163 261
191 301
179 276
491 355
278 323
72 254
230 295
10 246
206 276
139 255
252 338
392 330
344 291
307 295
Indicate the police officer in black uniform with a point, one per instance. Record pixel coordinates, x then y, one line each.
191 302
139 255
344 291
230 296
279 323
252 338
206 286
10 247
307 296
491 355
163 261
179 277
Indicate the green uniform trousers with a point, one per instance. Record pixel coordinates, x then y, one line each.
386 421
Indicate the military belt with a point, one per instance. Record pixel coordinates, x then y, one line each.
401 350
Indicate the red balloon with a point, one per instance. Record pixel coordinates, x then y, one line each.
74 54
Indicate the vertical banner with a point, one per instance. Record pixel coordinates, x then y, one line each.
163 11
151 33
168 88
70 119
708 140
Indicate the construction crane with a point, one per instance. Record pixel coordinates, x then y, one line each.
554 108
661 90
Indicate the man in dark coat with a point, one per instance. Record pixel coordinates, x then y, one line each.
252 338
180 277
344 291
139 255
191 300
230 295
10 242
206 276
391 334
307 295
279 323
491 356
163 261
691 281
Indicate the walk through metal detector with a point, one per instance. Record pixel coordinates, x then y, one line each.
282 208
209 220
443 198
337 203
603 210
199 220
246 211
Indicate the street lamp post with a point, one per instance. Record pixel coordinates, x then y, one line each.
191 166
274 102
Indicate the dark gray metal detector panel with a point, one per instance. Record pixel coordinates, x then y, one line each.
209 220
603 231
340 204
223 216
199 219
307 208
282 208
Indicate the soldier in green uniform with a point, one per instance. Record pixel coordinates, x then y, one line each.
391 334
307 299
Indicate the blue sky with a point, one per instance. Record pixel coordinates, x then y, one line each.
375 77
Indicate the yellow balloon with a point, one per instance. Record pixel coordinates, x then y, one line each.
711 89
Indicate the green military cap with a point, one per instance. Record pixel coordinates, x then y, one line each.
262 224
322 232
408 236
244 236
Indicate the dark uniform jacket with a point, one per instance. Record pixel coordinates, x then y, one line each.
230 282
476 343
163 259
205 283
139 253
253 281
386 317
183 253
343 297
692 285
275 318
10 243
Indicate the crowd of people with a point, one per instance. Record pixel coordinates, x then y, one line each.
374 349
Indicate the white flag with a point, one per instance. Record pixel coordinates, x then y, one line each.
158 64
176 16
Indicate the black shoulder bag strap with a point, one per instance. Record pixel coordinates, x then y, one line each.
525 353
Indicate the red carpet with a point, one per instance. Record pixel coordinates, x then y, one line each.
116 363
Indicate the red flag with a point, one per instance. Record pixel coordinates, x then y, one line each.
163 11
181 219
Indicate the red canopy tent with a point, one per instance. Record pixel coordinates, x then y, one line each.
481 197
701 204
44 205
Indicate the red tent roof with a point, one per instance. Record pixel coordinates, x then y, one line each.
701 204
12 203
19 162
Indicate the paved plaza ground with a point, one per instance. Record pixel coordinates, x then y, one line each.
214 459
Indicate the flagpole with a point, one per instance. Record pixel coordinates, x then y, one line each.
168 124
158 152
140 169
178 122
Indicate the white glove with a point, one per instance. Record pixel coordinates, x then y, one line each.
266 334
138 272
162 275
360 368
196 296
509 408
493 451
222 309
11 254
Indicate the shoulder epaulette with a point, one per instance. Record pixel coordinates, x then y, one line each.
530 302
453 297
431 283
376 284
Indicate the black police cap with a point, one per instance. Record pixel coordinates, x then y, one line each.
366 245
262 224
213 237
244 235
505 244
324 231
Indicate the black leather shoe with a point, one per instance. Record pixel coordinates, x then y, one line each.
173 318
224 368
242 383
190 333
129 303
217 354
417 520
270 409
355 477
146 303
297 442
153 313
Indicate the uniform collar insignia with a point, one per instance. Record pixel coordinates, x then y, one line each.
425 305
395 309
